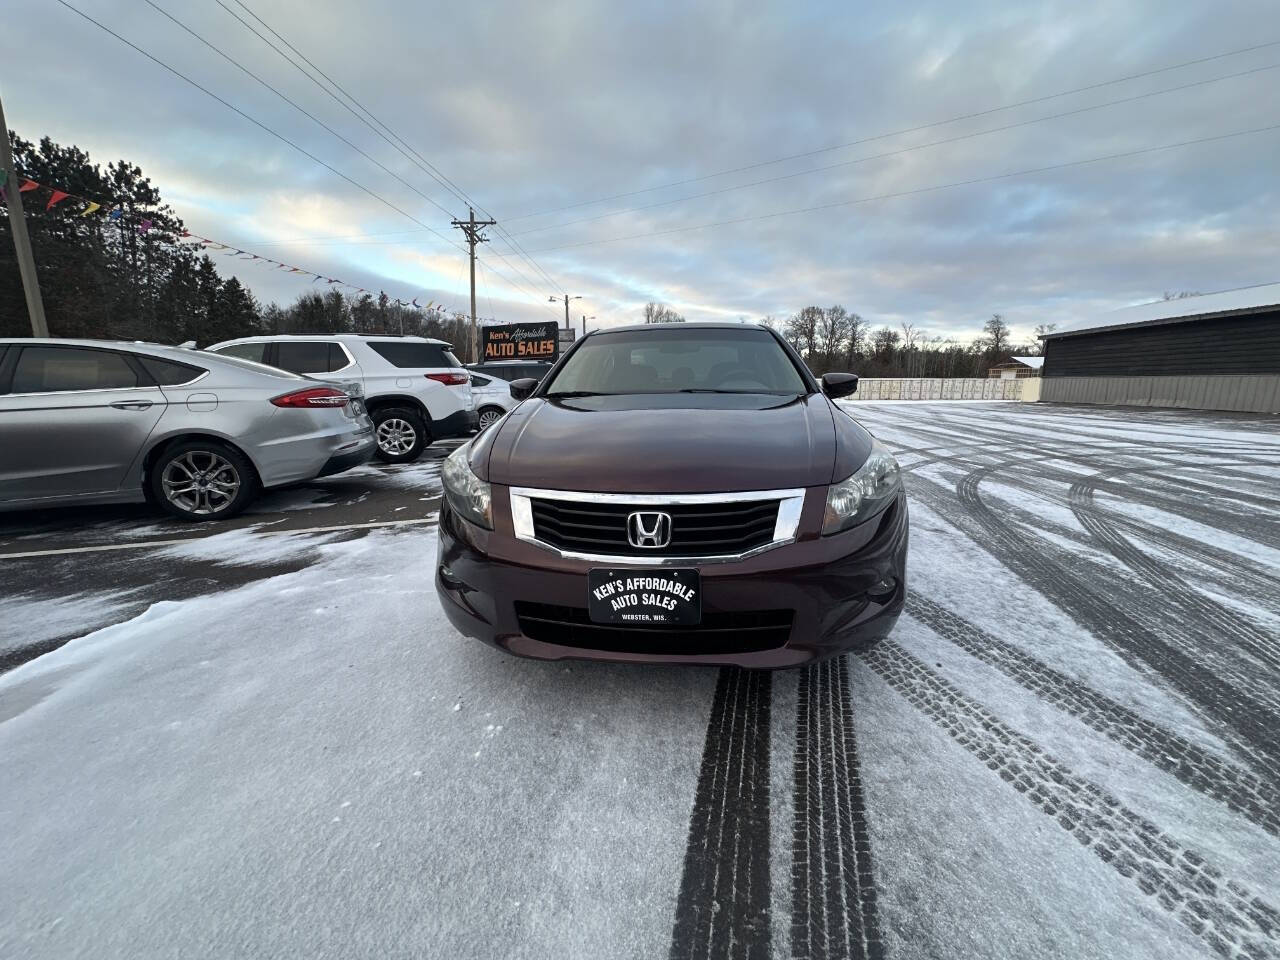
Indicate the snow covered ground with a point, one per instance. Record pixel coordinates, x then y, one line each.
1070 747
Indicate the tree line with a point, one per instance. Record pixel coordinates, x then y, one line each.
101 277
835 339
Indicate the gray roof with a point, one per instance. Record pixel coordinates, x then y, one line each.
1225 303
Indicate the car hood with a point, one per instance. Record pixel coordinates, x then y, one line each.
665 443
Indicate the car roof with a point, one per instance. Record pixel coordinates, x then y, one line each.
99 344
326 337
683 325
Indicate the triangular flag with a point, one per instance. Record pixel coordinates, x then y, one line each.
28 185
116 213
55 198
90 208
144 226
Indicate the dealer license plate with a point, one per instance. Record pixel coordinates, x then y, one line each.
645 598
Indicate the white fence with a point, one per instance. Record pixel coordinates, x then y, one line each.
938 388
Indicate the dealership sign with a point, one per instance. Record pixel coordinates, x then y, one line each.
521 341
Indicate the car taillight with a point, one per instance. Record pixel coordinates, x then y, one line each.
450 379
313 397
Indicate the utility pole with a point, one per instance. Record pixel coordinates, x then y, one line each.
566 299
471 227
584 324
21 241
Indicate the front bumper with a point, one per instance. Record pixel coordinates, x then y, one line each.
455 425
837 594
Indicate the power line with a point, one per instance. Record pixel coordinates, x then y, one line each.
902 150
283 139
916 191
315 119
362 114
256 122
365 116
897 133
880 156
310 116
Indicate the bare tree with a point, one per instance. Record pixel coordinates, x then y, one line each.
660 313
1181 294
802 331
883 342
833 330
910 337
855 341
1042 330
997 332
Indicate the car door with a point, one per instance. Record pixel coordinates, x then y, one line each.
73 420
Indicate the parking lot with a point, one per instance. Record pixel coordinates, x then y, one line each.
263 738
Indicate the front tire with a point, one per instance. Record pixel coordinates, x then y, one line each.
199 480
401 433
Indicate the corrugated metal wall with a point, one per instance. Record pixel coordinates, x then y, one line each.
1226 345
1244 393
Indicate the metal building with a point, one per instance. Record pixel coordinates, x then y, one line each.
1217 351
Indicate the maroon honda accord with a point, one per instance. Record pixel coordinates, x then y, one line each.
681 493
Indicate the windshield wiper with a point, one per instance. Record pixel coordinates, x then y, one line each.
570 394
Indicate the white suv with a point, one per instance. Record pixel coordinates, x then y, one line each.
415 389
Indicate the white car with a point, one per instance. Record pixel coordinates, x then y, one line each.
493 398
415 389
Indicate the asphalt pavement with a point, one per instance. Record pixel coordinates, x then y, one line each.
88 567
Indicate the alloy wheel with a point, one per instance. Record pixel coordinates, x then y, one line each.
200 482
396 437
488 417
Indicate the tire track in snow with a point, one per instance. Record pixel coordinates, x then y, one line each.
1202 771
1226 915
1246 525
722 910
1243 722
1230 570
833 893
1122 624
1210 615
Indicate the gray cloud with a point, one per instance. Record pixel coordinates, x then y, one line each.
530 108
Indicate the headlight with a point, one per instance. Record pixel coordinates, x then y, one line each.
869 490
467 493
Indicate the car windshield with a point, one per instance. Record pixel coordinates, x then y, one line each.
679 359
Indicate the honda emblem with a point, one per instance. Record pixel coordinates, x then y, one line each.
649 529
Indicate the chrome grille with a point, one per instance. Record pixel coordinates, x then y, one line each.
703 529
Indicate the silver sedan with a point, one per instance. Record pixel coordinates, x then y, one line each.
91 421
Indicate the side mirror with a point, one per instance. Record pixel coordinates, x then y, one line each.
522 389
837 385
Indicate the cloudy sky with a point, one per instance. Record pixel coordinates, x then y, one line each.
614 140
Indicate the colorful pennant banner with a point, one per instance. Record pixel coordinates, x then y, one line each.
145 225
